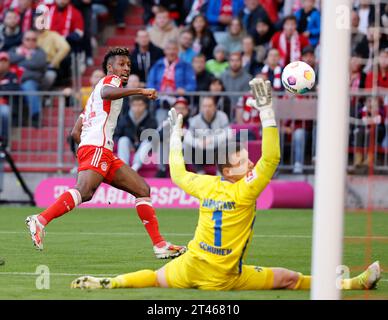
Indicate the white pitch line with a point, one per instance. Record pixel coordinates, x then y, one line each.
186 235
52 274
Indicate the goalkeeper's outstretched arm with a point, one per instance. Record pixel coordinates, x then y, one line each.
250 187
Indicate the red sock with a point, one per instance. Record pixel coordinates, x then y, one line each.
147 216
65 203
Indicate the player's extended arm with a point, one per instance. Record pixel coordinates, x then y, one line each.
76 132
114 93
251 186
191 183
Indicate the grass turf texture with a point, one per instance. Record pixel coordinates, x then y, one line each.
109 241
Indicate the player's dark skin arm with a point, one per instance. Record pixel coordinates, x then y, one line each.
113 93
76 132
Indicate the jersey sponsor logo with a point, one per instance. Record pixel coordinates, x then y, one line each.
218 204
104 166
115 81
218 251
251 175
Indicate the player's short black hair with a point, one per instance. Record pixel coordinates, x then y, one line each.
113 53
223 153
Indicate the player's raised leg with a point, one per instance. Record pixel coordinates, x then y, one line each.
128 180
87 183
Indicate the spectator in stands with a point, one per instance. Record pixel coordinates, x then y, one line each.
144 56
163 29
219 64
382 76
85 7
359 41
309 22
33 61
170 74
26 10
99 10
220 13
10 32
68 22
174 8
357 76
181 106
272 70
372 113
193 8
129 129
119 13
250 63
235 78
202 76
272 7
186 51
223 102
289 42
232 39
262 37
86 91
364 9
204 41
374 36
57 49
8 82
251 14
207 130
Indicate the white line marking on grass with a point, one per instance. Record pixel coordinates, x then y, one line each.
53 274
129 234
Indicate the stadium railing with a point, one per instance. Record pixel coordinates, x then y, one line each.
41 144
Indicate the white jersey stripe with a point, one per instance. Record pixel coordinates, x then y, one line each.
94 156
98 157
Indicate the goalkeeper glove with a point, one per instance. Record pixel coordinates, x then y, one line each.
262 91
176 131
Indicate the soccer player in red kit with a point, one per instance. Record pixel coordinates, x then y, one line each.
93 132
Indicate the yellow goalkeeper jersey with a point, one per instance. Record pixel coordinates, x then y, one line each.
227 210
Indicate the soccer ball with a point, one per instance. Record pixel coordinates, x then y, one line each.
298 77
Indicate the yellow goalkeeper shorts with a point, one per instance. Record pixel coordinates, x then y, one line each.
188 271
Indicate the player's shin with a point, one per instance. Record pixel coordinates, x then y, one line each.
138 279
65 203
146 213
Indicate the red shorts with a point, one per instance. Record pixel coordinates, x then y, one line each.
100 160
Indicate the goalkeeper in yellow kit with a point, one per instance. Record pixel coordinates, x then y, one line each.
214 260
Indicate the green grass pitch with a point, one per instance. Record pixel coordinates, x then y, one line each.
109 241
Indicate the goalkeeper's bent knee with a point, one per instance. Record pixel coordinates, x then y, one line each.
138 279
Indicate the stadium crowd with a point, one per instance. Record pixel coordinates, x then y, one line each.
195 45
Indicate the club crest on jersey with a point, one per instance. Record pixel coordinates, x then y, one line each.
104 166
115 81
251 175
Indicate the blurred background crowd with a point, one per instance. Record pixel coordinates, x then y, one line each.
200 56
